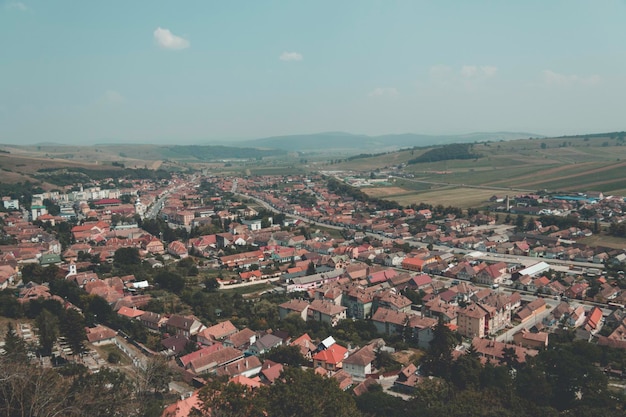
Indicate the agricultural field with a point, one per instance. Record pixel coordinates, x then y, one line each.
593 163
464 197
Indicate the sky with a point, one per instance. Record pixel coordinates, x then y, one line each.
177 72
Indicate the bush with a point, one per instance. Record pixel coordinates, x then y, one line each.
114 357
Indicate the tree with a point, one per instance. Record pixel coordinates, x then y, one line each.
519 222
304 393
170 281
289 355
14 346
48 330
438 359
211 284
106 393
114 357
385 360
73 329
156 376
509 358
466 372
29 390
232 400
310 269
127 256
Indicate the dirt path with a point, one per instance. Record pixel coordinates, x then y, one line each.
156 165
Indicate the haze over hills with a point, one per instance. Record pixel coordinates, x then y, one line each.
348 142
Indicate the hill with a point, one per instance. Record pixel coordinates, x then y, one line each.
351 143
594 162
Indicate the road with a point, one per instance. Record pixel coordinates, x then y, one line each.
158 204
537 318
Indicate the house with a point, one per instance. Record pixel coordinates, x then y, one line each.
494 351
209 363
50 259
152 321
241 340
100 335
177 248
130 313
364 387
439 309
492 274
300 307
185 407
175 345
7 276
249 383
185 360
33 291
248 367
578 291
594 321
330 359
306 345
265 343
326 312
532 309
359 364
472 321
422 330
419 282
247 276
392 301
270 371
528 339
153 245
407 379
184 325
413 264
217 332
343 378
389 322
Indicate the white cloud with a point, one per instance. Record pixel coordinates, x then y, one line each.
112 96
555 78
440 71
467 78
383 92
16 5
167 40
489 70
473 71
469 71
291 56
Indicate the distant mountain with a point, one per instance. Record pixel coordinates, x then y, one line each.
348 142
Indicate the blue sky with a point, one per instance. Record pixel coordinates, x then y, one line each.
82 72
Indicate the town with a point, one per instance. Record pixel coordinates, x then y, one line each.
237 279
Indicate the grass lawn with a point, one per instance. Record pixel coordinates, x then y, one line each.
104 351
604 240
